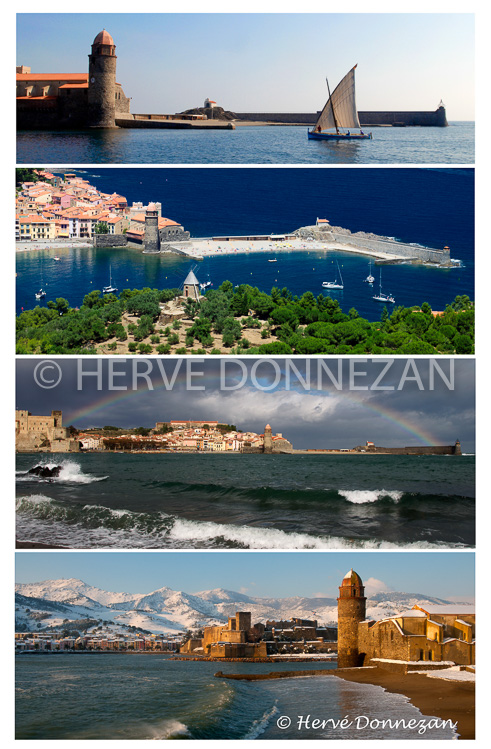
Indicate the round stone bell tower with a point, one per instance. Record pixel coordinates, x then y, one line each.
351 611
101 98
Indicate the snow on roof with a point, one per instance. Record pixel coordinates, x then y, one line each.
410 613
453 608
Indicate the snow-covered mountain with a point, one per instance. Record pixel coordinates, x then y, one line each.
166 610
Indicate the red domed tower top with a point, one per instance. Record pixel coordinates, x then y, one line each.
104 37
352 585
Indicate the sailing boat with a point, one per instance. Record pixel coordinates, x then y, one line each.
41 293
109 289
339 112
369 278
387 298
334 284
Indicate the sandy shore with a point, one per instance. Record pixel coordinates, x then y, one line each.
449 700
36 545
54 245
213 248
441 698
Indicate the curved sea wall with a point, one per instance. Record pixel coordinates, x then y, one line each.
438 118
375 243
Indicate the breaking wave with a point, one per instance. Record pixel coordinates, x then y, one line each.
70 473
361 496
44 520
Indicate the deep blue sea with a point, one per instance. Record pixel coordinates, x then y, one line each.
433 207
130 696
247 145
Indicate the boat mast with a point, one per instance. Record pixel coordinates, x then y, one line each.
332 108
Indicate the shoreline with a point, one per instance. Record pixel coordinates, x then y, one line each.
198 249
447 700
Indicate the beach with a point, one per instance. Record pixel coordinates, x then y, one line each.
442 698
445 699
211 248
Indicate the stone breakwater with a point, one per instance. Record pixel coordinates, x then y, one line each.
375 244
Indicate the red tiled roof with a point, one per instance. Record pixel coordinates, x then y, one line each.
74 77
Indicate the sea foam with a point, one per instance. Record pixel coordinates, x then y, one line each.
361 496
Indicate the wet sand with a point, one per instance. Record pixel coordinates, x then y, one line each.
36 545
438 697
448 700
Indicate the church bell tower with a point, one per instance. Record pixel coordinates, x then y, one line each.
351 611
101 98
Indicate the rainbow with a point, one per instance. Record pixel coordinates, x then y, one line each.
390 415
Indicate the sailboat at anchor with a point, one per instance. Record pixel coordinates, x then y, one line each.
109 289
380 297
339 112
369 279
334 284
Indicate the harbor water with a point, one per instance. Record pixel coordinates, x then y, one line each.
412 205
247 145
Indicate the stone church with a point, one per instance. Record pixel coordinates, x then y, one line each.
430 633
73 100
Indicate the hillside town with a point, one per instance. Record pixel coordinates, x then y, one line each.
46 433
67 207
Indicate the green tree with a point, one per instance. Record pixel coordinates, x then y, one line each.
101 228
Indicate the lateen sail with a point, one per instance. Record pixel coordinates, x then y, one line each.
343 102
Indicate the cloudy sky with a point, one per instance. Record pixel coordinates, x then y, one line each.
266 62
323 410
276 574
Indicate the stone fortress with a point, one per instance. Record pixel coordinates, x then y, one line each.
425 637
43 433
60 101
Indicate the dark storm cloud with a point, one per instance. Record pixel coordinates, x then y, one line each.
321 415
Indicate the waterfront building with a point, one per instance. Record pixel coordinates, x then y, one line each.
430 633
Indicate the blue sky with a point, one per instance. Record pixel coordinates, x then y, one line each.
265 574
266 62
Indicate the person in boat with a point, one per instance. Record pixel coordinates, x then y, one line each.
348 133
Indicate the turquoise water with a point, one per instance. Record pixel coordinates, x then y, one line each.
247 145
121 696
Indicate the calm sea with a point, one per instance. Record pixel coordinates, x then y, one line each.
122 696
110 500
247 145
433 207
